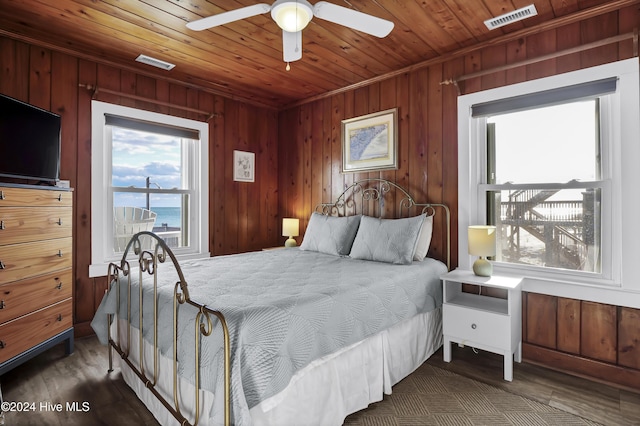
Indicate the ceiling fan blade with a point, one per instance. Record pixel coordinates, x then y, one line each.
353 19
230 16
291 46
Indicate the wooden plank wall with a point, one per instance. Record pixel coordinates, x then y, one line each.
589 339
310 146
555 329
298 161
238 222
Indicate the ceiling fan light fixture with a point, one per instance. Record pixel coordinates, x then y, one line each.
292 16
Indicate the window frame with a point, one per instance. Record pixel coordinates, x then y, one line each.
102 191
619 171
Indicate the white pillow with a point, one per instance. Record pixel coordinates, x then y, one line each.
330 234
424 239
387 240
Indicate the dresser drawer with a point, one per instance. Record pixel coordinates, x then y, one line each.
28 331
22 224
468 325
22 297
28 197
18 261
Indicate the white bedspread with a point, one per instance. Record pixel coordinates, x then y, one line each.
285 308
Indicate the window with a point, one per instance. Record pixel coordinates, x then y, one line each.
149 172
544 185
545 162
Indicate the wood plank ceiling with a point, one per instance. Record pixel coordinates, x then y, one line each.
243 59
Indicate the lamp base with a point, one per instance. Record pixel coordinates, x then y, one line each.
291 242
482 267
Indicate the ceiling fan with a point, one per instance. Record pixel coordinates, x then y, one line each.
294 15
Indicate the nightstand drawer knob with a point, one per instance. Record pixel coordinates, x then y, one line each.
474 326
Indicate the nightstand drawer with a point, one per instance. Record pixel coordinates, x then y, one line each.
468 325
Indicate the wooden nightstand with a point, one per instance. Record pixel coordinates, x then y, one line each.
480 321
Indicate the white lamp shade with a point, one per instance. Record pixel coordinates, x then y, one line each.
292 16
290 227
482 240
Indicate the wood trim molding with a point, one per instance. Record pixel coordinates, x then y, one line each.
583 367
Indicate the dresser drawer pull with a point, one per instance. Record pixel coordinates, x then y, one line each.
59 253
59 317
2 345
59 197
1 225
59 286
2 304
2 265
2 195
474 326
59 222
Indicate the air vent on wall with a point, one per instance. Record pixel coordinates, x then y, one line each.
155 62
508 18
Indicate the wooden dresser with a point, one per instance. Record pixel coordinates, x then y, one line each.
36 307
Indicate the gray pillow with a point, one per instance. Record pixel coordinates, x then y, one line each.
330 234
424 239
387 240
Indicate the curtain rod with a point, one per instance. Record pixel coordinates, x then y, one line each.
95 91
577 49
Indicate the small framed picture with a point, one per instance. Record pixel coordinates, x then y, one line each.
370 142
244 166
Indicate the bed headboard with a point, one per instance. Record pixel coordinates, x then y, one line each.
384 199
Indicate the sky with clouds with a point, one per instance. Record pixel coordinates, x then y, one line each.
137 155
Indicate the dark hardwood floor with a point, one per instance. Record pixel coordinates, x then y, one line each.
106 400
81 377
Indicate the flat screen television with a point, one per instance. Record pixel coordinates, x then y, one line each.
29 141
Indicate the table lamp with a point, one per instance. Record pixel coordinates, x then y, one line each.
290 228
482 243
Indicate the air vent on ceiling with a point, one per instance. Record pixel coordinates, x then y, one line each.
508 18
155 62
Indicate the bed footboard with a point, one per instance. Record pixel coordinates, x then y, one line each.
151 251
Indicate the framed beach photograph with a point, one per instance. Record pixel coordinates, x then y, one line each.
370 142
244 166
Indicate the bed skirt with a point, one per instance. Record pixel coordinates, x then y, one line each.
325 391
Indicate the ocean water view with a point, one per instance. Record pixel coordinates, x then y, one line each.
168 215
